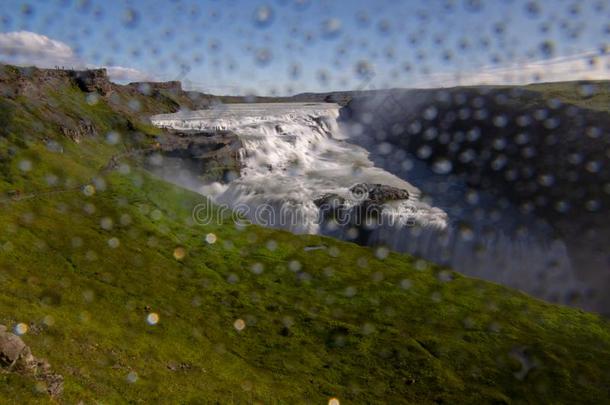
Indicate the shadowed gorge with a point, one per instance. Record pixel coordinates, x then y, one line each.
519 160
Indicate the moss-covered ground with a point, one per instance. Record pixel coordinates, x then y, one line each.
260 315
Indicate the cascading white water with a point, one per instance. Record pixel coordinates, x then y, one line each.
292 154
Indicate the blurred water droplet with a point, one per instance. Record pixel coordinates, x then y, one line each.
130 18
331 28
547 49
152 318
179 253
364 69
239 325
442 166
263 16
21 328
532 8
132 377
263 56
25 165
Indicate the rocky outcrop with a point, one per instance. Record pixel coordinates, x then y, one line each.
15 80
149 88
367 195
82 130
364 202
378 194
365 208
16 357
92 80
211 156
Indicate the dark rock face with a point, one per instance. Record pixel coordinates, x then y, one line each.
543 158
511 142
366 194
15 81
212 156
364 204
16 356
150 87
93 80
329 200
379 193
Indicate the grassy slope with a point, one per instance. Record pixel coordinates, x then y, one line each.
594 95
342 325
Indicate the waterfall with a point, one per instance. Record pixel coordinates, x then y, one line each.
292 154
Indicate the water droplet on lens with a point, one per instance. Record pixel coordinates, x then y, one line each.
263 16
547 48
364 69
152 318
442 166
263 56
362 18
239 325
179 253
132 377
331 28
25 165
532 8
21 329
130 18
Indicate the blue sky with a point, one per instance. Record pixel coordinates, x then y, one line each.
288 46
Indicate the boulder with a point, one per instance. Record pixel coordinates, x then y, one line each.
365 195
14 353
378 193
364 202
16 356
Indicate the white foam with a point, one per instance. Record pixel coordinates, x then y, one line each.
292 154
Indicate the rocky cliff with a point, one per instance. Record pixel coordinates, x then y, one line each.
16 81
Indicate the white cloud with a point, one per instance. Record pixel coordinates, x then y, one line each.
583 66
27 48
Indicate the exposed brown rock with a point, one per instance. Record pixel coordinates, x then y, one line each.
379 193
16 356
93 80
147 88
83 129
15 81
211 155
11 349
365 194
